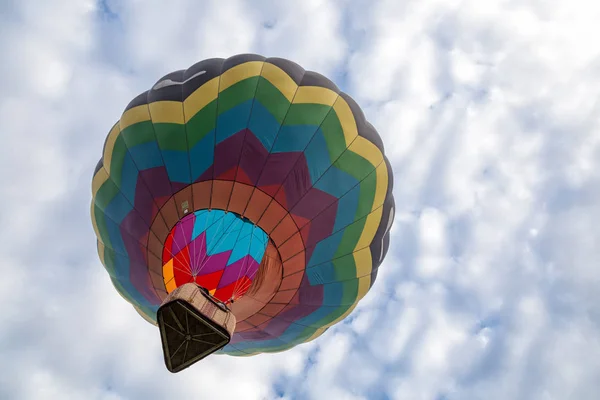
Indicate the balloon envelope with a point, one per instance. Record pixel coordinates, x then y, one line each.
256 179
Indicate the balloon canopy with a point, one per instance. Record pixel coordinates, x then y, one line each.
257 180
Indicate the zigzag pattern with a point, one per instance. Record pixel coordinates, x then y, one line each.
321 192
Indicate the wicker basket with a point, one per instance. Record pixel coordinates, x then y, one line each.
192 326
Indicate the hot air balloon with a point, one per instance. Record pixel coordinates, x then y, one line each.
243 206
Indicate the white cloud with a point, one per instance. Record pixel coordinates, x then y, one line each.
490 116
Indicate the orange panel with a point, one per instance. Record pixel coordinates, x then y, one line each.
284 230
272 309
283 297
272 217
257 205
291 247
258 319
221 194
239 197
184 201
294 264
292 281
202 192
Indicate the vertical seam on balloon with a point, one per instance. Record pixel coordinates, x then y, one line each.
246 132
221 237
179 225
242 268
187 145
172 194
267 158
271 148
158 144
205 232
297 161
236 240
212 182
206 255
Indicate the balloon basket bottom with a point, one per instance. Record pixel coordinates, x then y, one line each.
192 326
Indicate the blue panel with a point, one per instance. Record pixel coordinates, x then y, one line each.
320 274
264 126
118 208
257 250
234 120
146 155
347 206
336 182
317 156
201 223
326 249
239 251
122 265
202 155
293 138
320 313
178 166
114 234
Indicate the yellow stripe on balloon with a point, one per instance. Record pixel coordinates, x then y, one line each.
200 98
367 150
344 114
239 73
315 95
98 180
280 79
381 187
110 145
134 115
100 247
363 262
371 226
166 112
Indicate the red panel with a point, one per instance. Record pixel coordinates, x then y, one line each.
210 281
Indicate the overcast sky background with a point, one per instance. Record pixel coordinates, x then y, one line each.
490 115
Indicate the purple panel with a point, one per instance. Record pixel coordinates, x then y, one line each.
322 225
183 233
253 158
134 225
227 153
298 181
144 202
157 181
277 168
243 267
313 203
213 263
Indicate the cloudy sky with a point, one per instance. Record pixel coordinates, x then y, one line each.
490 114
